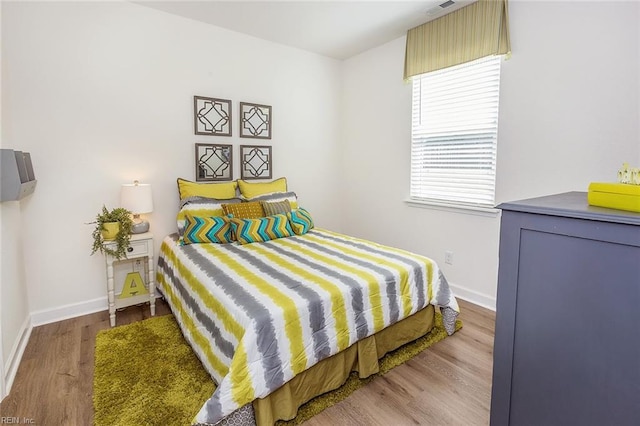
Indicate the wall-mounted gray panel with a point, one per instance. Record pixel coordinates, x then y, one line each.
18 178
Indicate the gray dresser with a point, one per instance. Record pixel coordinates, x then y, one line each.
567 342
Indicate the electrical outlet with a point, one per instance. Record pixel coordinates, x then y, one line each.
137 265
448 257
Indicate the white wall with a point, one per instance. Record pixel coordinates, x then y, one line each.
102 93
569 111
14 309
569 115
2 356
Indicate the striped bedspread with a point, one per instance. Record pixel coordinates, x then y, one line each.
259 314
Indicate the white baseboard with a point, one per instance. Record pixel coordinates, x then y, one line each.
42 317
15 356
47 316
64 312
473 296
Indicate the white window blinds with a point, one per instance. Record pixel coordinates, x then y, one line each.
454 134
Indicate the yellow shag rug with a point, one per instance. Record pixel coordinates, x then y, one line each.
147 375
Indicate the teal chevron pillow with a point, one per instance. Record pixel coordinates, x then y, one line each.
262 229
201 207
216 229
301 221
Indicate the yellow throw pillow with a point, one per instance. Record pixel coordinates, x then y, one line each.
221 191
244 210
253 189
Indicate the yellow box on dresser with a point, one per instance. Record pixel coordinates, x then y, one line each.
619 196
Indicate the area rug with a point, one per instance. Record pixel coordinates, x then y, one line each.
147 375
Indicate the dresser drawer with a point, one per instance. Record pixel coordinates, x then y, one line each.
138 248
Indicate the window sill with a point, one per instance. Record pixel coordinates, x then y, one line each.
454 208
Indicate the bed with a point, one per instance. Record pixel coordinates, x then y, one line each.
278 322
278 311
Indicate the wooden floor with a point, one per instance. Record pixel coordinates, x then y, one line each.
447 384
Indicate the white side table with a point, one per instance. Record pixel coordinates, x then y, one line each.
140 246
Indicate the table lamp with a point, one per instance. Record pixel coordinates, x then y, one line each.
136 197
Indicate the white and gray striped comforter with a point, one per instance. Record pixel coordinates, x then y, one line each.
258 314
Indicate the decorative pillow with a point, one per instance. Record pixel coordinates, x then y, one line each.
215 229
253 189
301 221
244 210
263 229
201 207
221 191
276 207
291 197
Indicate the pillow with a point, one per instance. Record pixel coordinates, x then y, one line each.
301 221
278 196
251 210
253 189
275 207
201 207
263 229
215 229
221 191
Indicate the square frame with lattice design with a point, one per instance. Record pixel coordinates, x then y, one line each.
255 162
214 162
255 121
211 116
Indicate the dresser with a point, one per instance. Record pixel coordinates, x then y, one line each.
567 341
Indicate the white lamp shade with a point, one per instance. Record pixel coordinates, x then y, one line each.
136 197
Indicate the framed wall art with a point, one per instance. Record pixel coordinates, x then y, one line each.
212 116
255 162
214 162
255 121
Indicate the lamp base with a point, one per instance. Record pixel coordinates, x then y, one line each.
140 227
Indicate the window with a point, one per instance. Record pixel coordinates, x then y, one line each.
454 134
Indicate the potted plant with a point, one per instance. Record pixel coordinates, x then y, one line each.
104 233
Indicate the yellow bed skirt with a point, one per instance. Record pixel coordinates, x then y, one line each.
619 196
332 372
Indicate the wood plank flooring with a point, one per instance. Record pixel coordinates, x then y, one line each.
448 384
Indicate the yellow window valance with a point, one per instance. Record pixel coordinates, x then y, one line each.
475 31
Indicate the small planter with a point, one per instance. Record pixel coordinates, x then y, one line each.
110 230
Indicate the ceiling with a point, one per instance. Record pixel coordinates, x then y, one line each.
337 29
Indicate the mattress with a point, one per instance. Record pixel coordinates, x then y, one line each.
258 315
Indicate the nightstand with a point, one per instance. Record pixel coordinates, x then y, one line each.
140 247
